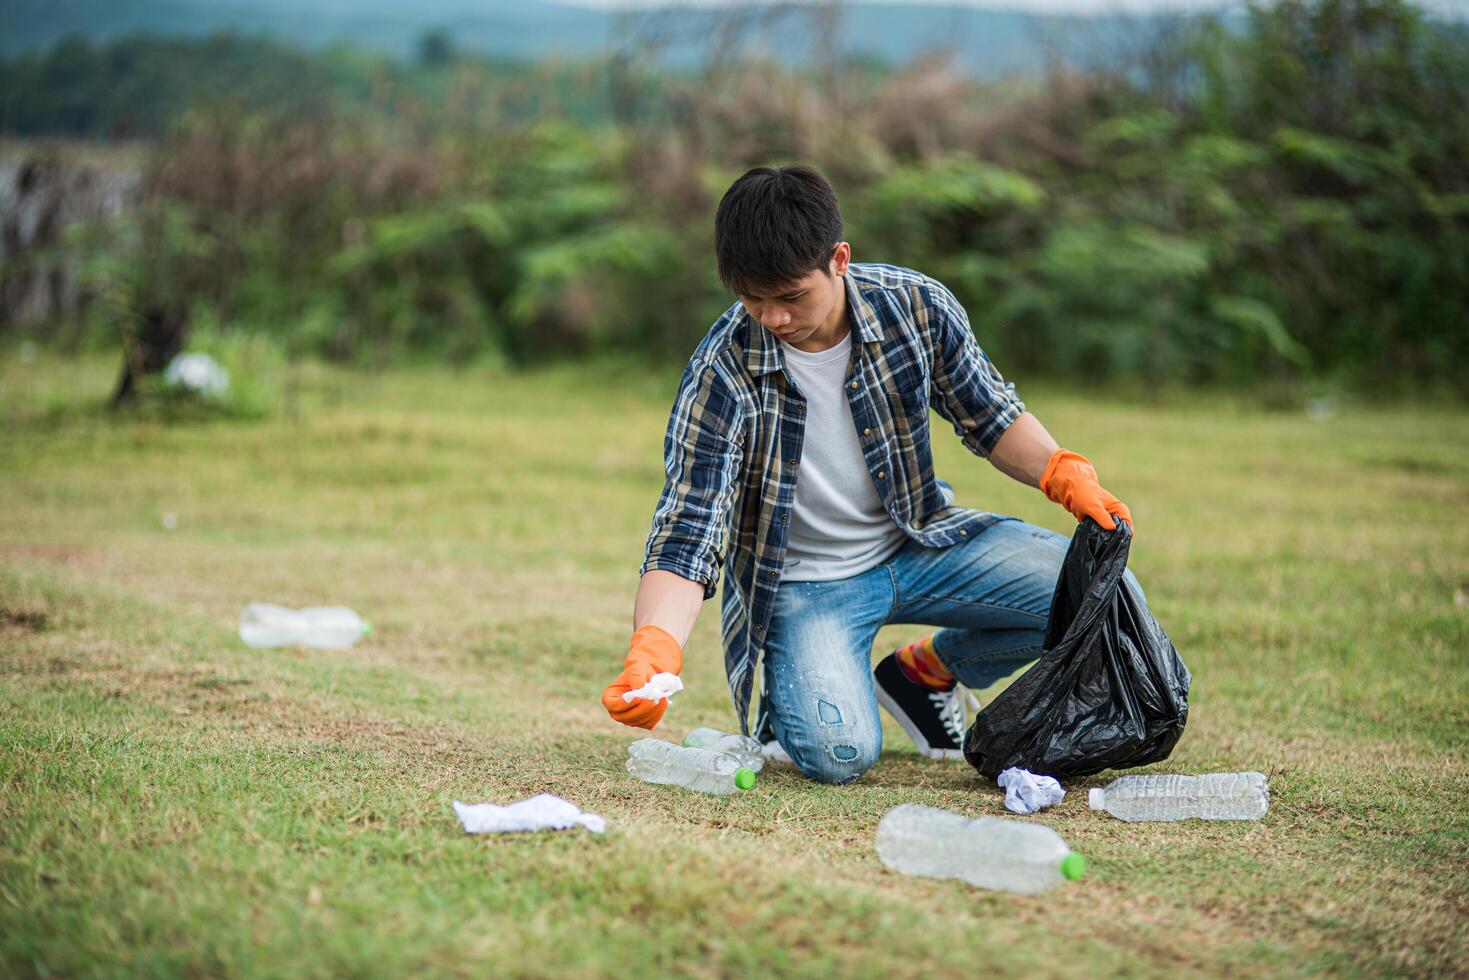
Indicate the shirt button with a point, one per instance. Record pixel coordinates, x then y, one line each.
772 573
853 386
758 627
867 432
785 518
963 534
881 474
791 461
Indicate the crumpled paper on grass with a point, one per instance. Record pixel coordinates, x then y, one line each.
542 812
1025 792
659 686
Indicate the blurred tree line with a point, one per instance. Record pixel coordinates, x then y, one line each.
1278 199
138 87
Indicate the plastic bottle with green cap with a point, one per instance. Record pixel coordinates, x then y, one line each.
988 852
701 770
320 627
742 747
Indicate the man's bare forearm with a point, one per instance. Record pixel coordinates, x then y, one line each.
1024 450
668 601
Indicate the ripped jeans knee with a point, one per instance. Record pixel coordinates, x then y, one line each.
836 749
837 767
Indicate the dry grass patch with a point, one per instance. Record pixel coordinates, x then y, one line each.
287 811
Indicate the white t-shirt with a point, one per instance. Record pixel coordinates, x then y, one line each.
838 525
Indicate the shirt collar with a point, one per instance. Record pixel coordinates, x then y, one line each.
762 350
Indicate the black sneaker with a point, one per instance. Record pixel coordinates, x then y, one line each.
933 719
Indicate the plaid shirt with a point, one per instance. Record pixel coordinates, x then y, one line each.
733 447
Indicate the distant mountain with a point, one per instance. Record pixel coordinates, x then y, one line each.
499 26
991 42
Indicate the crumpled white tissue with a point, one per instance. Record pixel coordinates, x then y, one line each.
1025 792
659 686
542 812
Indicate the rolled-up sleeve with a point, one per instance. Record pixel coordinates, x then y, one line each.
701 460
967 389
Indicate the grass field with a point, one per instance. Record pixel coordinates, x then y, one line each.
174 803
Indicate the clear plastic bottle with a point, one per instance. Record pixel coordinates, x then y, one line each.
322 627
988 852
742 747
1217 796
655 761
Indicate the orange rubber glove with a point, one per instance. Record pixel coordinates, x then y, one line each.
653 651
1070 481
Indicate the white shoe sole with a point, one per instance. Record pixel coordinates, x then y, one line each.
774 753
906 723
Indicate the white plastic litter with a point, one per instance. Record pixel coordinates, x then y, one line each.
659 686
322 627
1025 792
1161 796
701 770
749 751
542 812
198 373
990 852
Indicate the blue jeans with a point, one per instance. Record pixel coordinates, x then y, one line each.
992 595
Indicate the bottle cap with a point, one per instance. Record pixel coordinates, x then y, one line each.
366 627
744 778
1095 797
1073 866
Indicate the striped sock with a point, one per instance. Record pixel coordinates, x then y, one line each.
921 665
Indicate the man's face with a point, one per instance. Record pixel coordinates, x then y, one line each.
796 311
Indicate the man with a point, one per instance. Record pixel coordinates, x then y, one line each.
801 429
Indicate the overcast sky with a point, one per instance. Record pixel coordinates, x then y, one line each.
1459 8
1024 6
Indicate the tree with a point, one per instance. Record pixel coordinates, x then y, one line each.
435 48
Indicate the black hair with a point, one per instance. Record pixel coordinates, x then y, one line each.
775 225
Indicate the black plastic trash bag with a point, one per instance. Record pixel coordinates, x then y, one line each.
1108 692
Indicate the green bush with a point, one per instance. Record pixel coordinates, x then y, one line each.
1280 202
